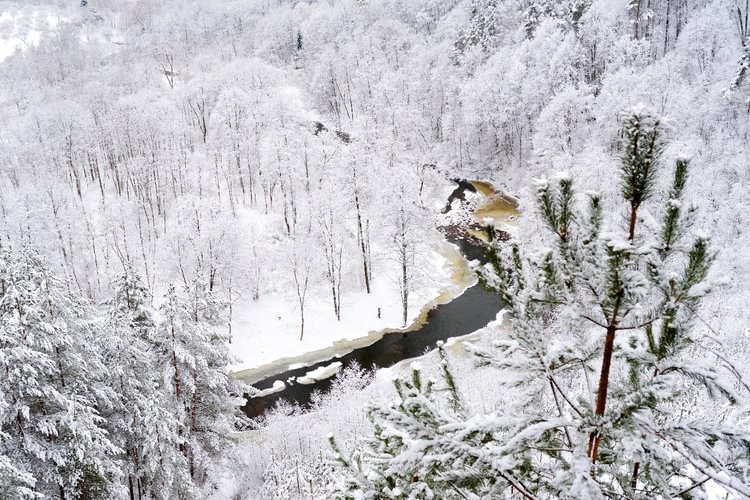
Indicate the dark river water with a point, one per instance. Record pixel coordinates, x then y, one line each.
465 314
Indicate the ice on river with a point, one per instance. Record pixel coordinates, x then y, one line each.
277 386
320 373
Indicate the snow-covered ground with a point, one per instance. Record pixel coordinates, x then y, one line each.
266 333
342 413
407 92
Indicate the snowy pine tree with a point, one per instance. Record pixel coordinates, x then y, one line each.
568 12
131 301
52 438
408 456
139 421
604 302
744 66
629 435
482 28
192 357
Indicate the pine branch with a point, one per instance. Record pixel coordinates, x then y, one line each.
731 483
687 490
727 363
573 407
592 320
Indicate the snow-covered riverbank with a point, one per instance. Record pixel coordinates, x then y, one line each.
269 339
269 345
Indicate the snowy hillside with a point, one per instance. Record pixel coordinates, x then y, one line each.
23 25
195 194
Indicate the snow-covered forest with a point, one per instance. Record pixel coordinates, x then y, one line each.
197 197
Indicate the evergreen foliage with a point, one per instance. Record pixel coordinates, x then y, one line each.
193 359
482 28
568 12
138 420
744 66
54 442
83 413
602 300
408 456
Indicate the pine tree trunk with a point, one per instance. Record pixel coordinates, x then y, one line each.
601 396
633 218
634 478
176 369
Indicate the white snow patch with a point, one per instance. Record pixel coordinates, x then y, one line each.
266 332
277 386
564 175
321 373
294 101
617 242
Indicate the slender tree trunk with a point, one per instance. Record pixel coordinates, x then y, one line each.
601 395
194 404
637 22
633 218
231 307
666 27
404 281
601 398
301 288
301 320
176 368
130 487
634 477
363 246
